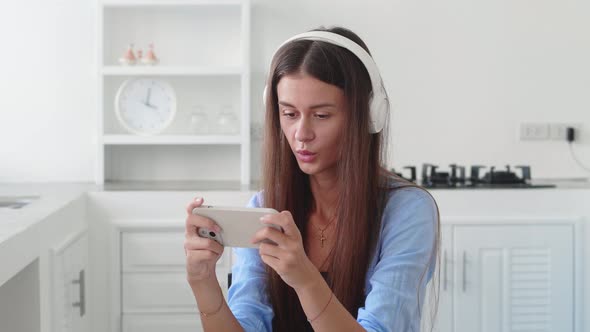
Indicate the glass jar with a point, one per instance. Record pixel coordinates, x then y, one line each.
227 122
199 121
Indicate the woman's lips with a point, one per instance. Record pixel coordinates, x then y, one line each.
305 156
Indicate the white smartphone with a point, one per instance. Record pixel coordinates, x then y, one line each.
238 224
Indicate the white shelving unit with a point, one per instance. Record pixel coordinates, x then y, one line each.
203 47
170 71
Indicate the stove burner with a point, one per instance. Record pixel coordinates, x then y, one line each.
507 177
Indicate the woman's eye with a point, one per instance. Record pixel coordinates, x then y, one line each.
322 116
289 114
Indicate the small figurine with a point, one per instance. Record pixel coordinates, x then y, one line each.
129 57
150 58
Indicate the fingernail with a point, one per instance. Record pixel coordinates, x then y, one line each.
199 199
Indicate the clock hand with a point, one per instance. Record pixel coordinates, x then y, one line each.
148 96
147 105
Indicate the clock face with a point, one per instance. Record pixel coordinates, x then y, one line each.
145 106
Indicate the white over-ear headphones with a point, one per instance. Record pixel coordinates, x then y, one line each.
378 104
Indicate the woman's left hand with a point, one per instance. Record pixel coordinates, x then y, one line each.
288 256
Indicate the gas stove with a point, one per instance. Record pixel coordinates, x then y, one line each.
456 178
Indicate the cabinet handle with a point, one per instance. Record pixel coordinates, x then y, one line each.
445 270
464 271
82 302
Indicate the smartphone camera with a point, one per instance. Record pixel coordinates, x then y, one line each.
206 233
203 232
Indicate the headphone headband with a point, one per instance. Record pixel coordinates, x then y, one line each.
379 104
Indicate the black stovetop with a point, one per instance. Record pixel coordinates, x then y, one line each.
479 178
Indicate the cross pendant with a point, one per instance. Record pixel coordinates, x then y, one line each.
322 239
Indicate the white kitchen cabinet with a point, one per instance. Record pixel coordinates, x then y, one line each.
506 277
69 263
152 291
513 278
444 280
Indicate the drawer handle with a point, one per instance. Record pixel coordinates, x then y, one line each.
464 271
82 301
445 280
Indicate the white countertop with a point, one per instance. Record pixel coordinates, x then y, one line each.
52 197
55 195
23 233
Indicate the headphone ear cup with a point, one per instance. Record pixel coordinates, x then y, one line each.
379 107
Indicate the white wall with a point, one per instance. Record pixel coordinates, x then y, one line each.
461 75
47 85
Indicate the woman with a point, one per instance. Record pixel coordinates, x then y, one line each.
359 243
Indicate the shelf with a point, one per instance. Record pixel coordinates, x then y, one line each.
187 185
172 140
140 70
171 3
203 47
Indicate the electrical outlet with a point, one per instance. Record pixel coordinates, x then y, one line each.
534 131
557 131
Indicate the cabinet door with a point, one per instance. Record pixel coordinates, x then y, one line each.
443 280
513 278
70 278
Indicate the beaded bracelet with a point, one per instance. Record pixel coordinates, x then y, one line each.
204 314
321 312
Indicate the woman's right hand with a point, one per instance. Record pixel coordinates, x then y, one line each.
202 254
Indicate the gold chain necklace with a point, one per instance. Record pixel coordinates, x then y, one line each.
322 237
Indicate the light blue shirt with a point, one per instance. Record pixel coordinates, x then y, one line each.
408 230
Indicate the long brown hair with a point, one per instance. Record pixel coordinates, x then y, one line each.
363 184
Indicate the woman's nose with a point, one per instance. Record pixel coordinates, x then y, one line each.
304 132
